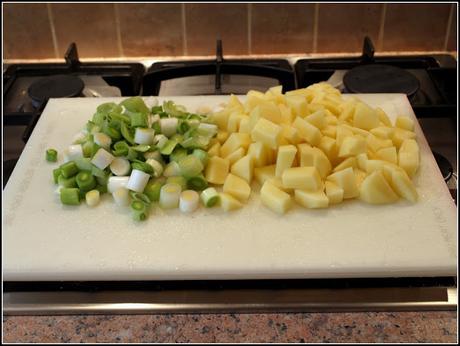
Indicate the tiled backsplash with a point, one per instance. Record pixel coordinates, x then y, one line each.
44 30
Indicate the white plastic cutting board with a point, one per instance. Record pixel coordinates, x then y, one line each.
44 240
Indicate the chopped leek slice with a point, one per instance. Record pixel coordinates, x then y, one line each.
181 181
197 183
202 155
120 148
190 166
169 196
137 180
56 174
70 196
120 166
153 188
209 197
188 201
139 210
172 169
69 169
85 181
67 182
51 155
135 104
92 198
140 197
121 196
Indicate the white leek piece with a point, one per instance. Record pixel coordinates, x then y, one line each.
78 137
115 183
172 169
188 201
120 166
152 119
208 129
92 198
156 155
137 180
157 167
102 158
144 136
170 195
168 126
151 101
121 197
160 140
209 197
73 152
102 140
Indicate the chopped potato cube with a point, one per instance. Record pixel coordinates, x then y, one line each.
317 119
237 187
291 134
228 202
403 186
399 135
311 199
235 156
333 192
262 174
330 131
383 132
285 158
365 117
306 130
374 143
235 141
216 170
244 168
347 181
362 161
259 153
214 150
352 146
342 132
409 156
376 190
267 110
266 132
383 117
404 123
304 178
329 147
222 136
350 162
388 154
298 104
274 198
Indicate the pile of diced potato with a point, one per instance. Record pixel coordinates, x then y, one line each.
312 146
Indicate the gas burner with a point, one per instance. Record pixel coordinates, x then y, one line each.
54 87
444 165
379 78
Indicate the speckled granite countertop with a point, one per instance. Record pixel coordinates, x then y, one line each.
435 327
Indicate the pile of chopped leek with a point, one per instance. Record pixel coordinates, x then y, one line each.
141 156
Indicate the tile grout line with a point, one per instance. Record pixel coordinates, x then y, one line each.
449 24
184 31
118 30
382 27
53 30
315 28
249 29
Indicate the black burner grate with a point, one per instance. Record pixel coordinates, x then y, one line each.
276 68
